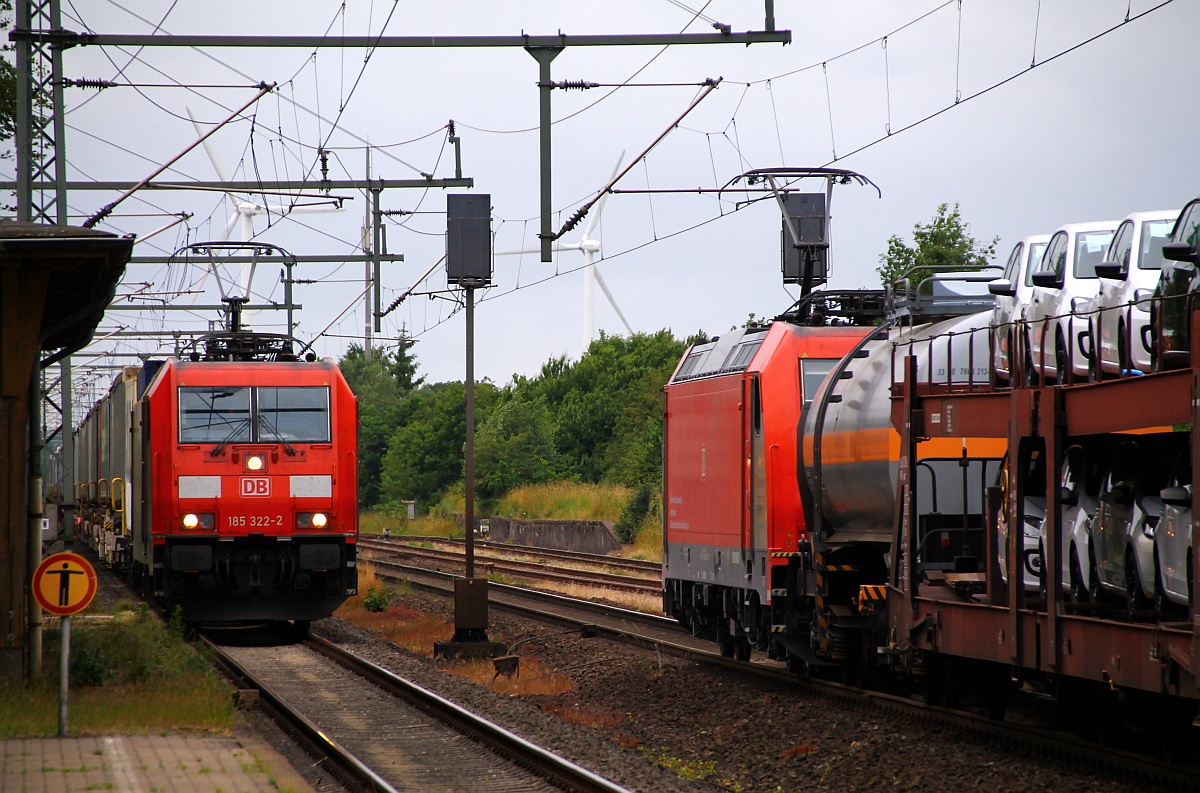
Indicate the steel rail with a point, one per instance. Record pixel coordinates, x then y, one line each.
557 770
532 570
347 768
1055 742
530 550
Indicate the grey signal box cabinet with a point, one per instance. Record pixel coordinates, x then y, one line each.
469 239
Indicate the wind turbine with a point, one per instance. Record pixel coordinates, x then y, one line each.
589 244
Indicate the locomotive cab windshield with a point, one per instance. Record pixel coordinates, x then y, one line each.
260 414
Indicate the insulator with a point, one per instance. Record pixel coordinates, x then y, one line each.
450 127
83 82
574 219
580 85
324 155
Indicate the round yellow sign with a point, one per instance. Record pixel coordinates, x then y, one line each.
64 583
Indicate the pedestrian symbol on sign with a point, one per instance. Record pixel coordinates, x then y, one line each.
64 582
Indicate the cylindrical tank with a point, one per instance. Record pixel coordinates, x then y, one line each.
851 461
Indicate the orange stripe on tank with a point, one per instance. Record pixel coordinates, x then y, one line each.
883 443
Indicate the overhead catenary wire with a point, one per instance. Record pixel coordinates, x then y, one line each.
770 88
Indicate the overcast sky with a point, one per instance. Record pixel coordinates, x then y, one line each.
1102 131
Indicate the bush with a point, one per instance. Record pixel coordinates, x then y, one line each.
636 510
377 598
132 648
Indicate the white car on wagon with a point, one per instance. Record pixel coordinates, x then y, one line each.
1120 322
1065 283
1012 291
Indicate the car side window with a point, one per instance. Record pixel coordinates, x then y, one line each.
1054 260
1014 262
1154 234
1122 246
1181 474
1035 259
1187 227
1072 470
1090 247
1120 483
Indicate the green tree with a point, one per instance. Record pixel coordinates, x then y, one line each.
607 407
425 455
945 243
381 380
515 446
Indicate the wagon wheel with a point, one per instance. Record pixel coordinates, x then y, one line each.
1079 593
1031 375
1124 359
1135 598
1096 371
1062 363
1161 603
1093 579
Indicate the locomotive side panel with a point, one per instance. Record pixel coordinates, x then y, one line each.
734 531
702 453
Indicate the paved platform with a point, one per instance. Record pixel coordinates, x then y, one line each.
241 763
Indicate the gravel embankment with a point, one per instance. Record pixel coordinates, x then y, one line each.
721 731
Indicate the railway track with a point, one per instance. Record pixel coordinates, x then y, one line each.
377 732
490 563
631 566
667 636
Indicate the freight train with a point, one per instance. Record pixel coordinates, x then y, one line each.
835 495
224 481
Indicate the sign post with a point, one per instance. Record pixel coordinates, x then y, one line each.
64 584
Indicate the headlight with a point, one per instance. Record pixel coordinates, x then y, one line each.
311 520
199 520
255 462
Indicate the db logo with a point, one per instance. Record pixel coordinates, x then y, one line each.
255 486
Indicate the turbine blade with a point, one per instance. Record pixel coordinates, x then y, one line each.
594 220
611 299
233 220
212 156
555 246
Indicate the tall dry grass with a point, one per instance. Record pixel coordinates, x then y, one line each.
397 623
373 522
648 542
533 679
564 501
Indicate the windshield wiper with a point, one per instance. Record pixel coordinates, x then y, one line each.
242 424
263 421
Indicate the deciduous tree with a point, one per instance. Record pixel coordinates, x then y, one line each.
944 243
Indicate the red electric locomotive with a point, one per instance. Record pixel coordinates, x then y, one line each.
227 484
734 514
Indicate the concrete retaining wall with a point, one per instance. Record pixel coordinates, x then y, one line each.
589 536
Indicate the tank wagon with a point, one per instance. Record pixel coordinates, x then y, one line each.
878 551
224 482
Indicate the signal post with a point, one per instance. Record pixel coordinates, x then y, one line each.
469 265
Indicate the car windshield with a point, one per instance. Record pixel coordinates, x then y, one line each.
1154 234
1090 247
